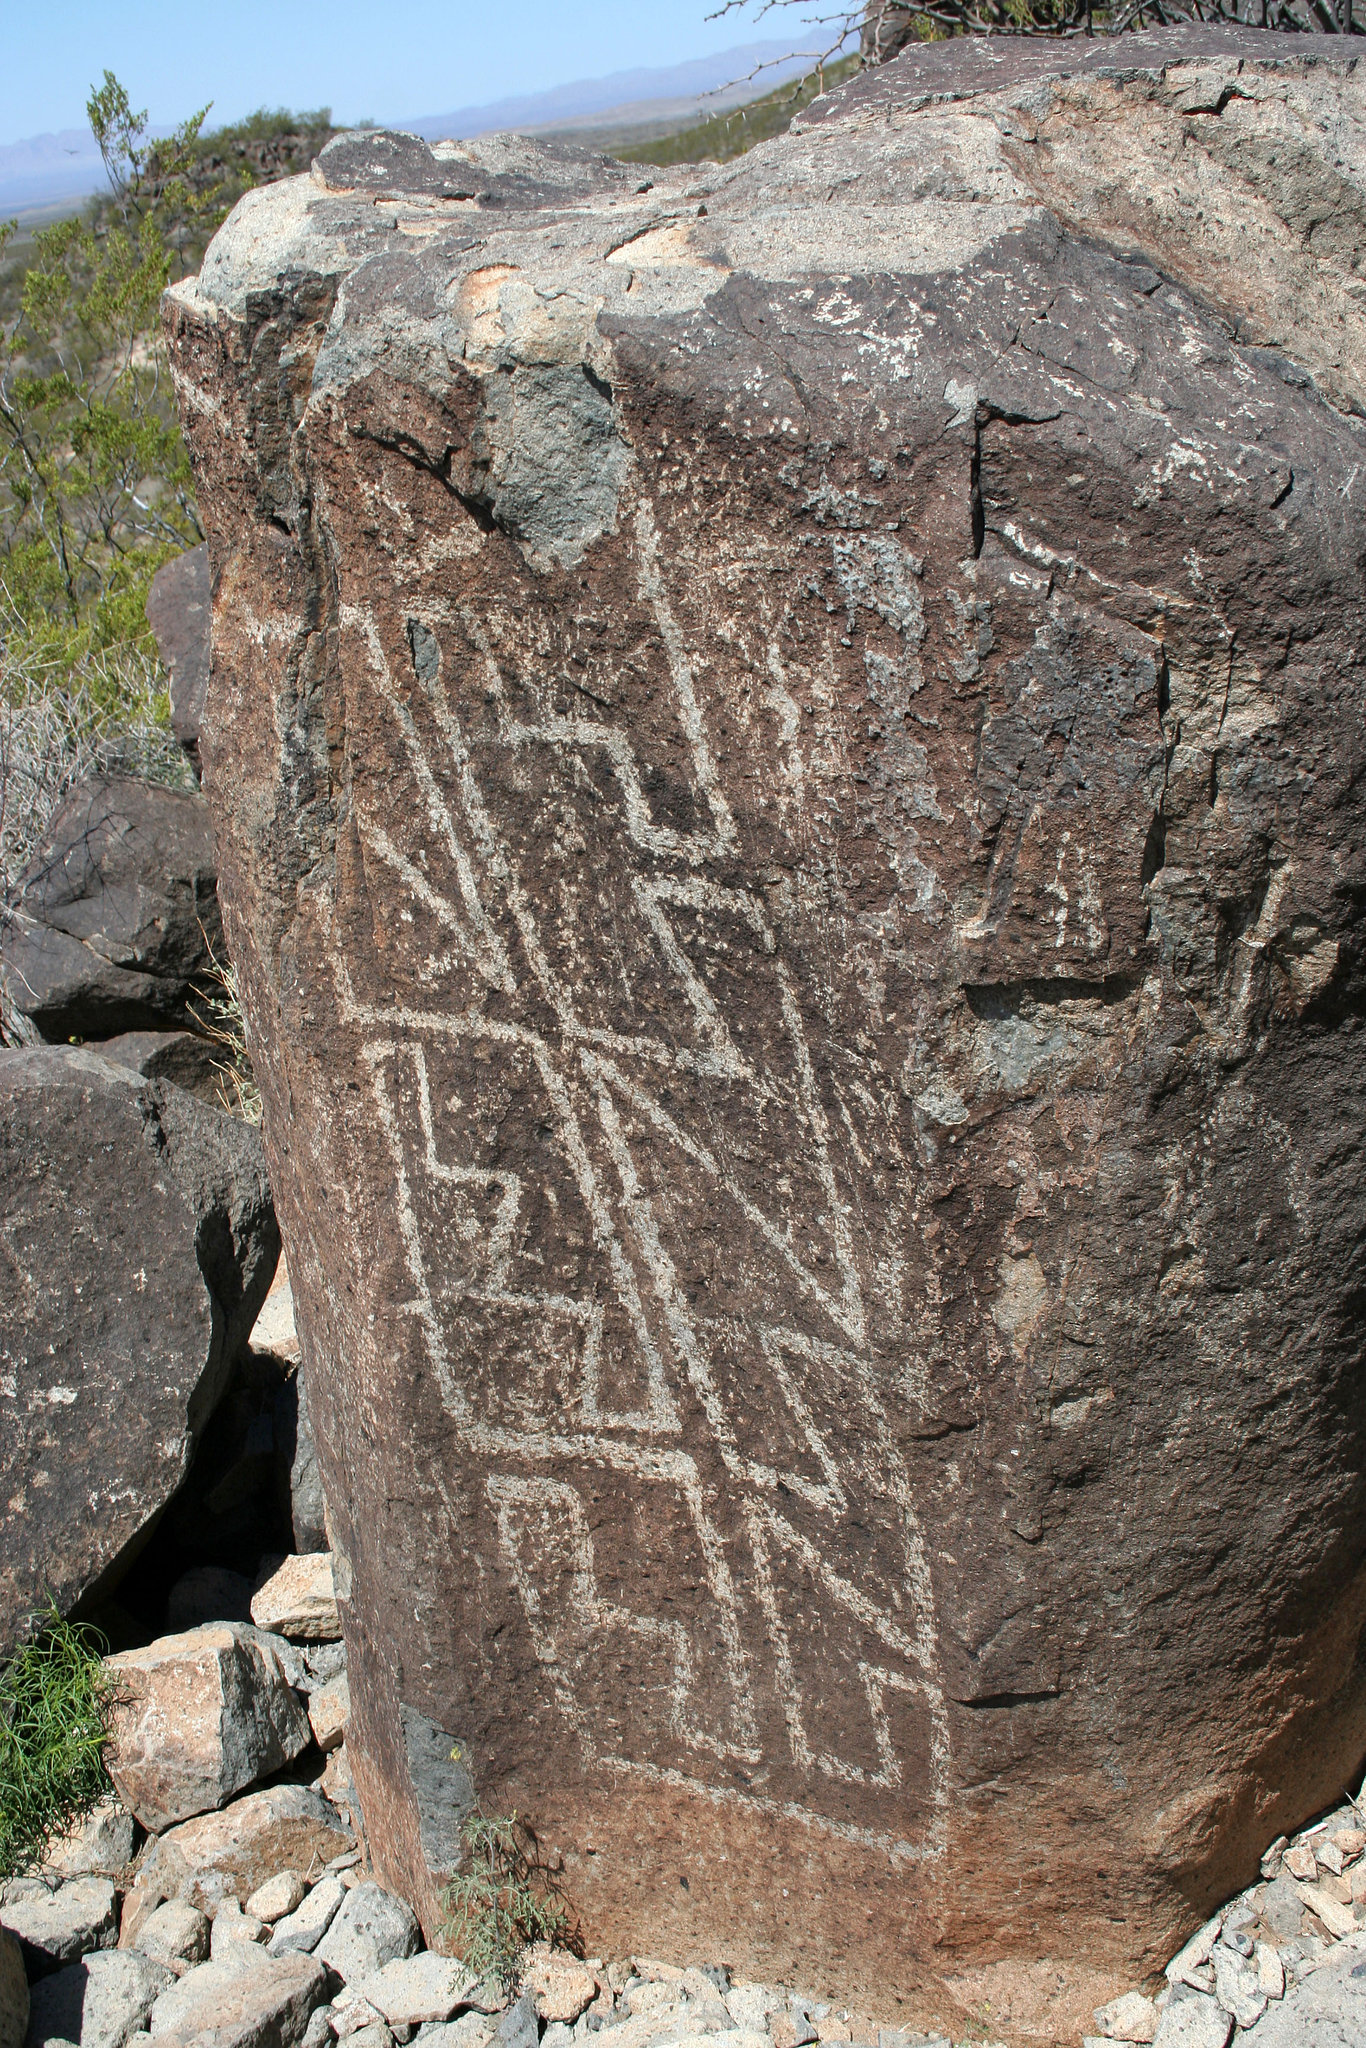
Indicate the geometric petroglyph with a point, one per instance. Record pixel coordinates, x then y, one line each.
637 1434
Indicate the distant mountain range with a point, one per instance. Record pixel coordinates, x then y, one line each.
45 170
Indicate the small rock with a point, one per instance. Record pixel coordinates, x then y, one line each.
175 1934
1329 1857
1338 1918
274 1329
1350 1843
1196 1952
281 1827
473 2030
231 1925
556 2035
318 2033
322 1663
749 2005
558 1984
791 2030
1130 2018
269 2001
352 2015
299 1599
58 1924
1271 1857
99 1846
1236 1986
422 1987
517 2028
372 1928
1302 1863
97 2003
1282 1910
336 1782
199 1717
279 1895
207 1593
329 1710
1193 2023
1270 1971
13 1993
376 2035
301 1931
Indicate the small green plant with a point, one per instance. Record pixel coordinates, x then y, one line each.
503 1902
55 1699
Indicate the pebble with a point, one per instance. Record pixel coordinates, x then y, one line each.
1130 2018
231 1926
278 1896
329 1710
1196 2022
1302 1863
300 1932
299 1599
176 1934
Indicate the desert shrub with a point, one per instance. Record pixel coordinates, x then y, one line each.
59 722
55 1700
503 1902
218 1012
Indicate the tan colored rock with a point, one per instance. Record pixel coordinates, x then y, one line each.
1129 2018
558 1984
1336 1917
99 1846
257 2002
200 1716
278 1896
1302 1863
58 1924
13 1993
1350 1843
413 1989
299 1600
280 1827
232 1926
176 1934
329 1710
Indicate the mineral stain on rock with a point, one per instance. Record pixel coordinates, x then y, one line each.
786 746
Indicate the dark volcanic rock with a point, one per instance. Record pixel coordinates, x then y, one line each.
115 923
179 605
137 1241
788 752
180 1056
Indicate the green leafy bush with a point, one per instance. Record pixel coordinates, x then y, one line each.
503 1903
55 1698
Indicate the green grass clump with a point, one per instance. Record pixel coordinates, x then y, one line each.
55 1697
503 1902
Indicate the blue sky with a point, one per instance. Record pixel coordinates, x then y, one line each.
378 58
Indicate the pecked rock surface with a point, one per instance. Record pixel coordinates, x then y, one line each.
786 749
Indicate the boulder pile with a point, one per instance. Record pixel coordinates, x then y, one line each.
255 1921
786 746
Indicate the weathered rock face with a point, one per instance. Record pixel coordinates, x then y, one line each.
178 608
787 750
137 1241
115 924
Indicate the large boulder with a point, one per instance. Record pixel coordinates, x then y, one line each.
115 924
138 1243
198 1717
787 746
